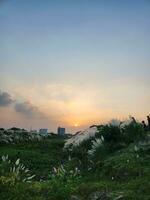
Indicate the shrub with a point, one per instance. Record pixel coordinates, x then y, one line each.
133 132
112 135
62 182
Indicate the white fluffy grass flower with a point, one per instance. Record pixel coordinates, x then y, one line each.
16 170
81 136
95 145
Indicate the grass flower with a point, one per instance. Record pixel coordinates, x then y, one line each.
95 145
77 139
15 170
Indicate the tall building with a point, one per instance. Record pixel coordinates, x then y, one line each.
61 131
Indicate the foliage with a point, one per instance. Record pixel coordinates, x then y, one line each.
133 132
123 170
63 181
97 143
11 173
112 136
118 137
37 155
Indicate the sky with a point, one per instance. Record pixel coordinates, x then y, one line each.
73 63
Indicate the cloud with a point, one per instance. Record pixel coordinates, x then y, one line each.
27 109
5 99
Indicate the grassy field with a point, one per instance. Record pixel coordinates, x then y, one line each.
39 156
123 174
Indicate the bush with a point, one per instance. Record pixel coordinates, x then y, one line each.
133 132
113 137
63 181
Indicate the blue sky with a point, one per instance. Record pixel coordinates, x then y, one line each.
66 53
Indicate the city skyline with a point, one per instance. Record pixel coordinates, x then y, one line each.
73 63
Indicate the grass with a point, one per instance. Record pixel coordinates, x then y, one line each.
40 156
131 173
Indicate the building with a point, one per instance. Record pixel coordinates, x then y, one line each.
43 131
61 131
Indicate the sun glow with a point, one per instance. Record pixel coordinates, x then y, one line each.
76 124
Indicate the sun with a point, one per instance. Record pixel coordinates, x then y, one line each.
76 124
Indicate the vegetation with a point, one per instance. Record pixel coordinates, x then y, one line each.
112 164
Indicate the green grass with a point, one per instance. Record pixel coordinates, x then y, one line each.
131 174
40 156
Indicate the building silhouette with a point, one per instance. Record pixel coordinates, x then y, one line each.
61 131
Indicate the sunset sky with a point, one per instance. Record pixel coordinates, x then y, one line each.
73 63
